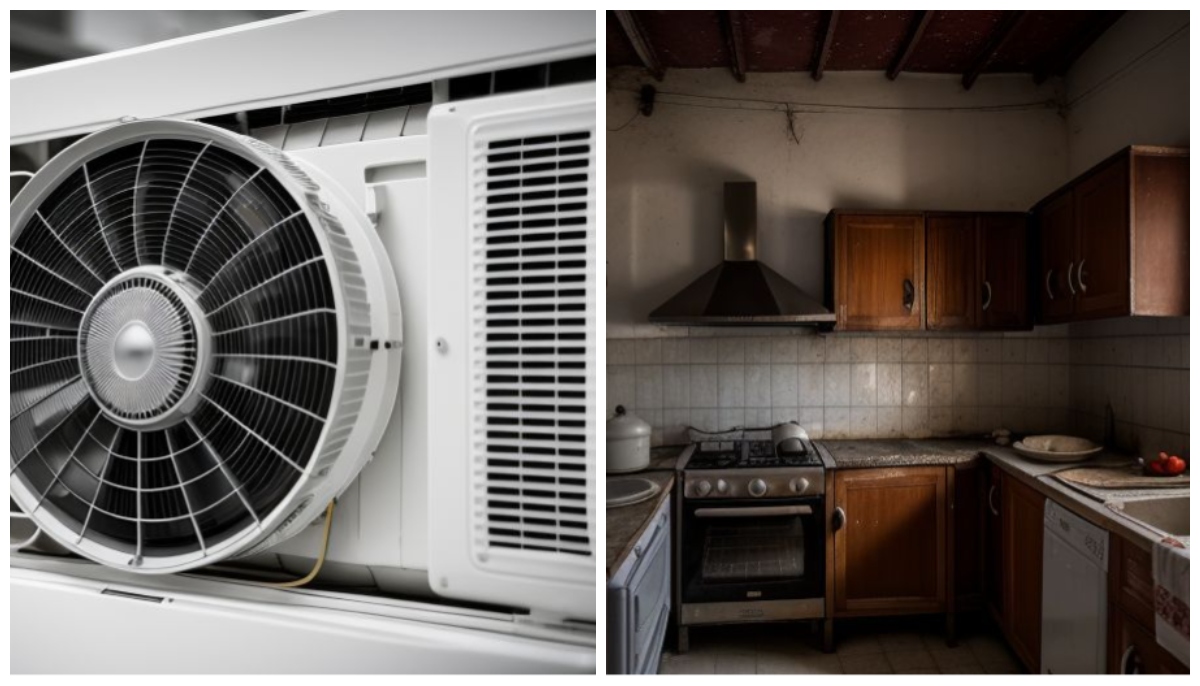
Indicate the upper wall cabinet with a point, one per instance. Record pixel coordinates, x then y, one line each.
1114 242
876 270
976 274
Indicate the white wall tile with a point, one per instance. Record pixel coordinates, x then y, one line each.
991 350
863 422
940 420
811 349
863 349
941 350
889 384
810 384
966 350
731 417
1058 350
1013 382
675 423
677 386
916 421
916 350
621 352
675 351
915 384
758 417
889 350
731 385
781 415
758 350
783 385
837 422
1014 350
862 385
813 421
783 350
707 419
731 351
991 385
890 422
622 386
837 385
758 385
649 388
837 349
941 384
966 385
1037 351
704 384
704 351
1037 386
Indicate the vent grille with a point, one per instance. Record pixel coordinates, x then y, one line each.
532 330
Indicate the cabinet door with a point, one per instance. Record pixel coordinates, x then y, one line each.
993 555
952 271
1022 511
1101 269
879 271
1005 278
891 547
1133 649
1056 233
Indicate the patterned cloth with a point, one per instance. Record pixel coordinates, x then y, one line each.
1172 564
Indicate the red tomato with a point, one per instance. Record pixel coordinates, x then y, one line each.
1175 465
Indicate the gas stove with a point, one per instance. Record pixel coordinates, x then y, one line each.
754 469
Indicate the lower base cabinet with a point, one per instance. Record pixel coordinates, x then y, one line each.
639 600
1132 647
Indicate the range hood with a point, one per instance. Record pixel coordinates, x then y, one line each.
741 291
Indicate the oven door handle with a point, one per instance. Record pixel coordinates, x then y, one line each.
740 512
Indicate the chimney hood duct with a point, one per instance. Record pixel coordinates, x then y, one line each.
741 291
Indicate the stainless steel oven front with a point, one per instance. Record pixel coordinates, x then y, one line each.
748 560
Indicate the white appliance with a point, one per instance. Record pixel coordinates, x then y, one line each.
1074 594
378 288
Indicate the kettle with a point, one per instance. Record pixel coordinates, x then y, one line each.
628 443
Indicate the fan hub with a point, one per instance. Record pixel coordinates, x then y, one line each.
144 348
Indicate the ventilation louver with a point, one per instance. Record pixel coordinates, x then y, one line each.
192 325
535 349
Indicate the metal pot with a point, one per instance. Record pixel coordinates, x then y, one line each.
628 443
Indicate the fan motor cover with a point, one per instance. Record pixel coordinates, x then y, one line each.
204 342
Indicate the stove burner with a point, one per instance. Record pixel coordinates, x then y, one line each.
750 455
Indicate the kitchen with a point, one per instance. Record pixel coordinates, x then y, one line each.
912 422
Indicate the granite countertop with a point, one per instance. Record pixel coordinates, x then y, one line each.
626 524
863 454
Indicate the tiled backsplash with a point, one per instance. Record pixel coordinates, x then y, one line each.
844 385
1140 366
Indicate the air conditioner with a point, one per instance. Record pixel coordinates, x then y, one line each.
354 332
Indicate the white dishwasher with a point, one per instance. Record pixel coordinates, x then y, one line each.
1074 594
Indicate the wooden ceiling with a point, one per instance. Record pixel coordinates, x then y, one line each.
968 43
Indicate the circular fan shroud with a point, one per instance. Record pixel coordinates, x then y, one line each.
223 238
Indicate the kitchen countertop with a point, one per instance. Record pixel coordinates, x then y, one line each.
864 454
626 524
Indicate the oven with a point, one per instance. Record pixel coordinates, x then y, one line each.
752 559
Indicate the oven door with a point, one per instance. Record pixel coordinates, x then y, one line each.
748 550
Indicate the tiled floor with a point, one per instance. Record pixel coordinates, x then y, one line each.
894 646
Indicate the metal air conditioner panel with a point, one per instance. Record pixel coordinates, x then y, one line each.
513 391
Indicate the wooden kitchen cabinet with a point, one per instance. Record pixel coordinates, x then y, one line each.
876 278
1022 515
976 271
1114 242
890 541
1132 648
967 539
993 544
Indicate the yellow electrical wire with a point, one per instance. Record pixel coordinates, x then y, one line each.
320 560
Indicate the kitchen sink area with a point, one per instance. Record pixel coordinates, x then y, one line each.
1169 515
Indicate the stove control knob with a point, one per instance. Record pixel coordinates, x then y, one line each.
703 488
799 485
722 486
758 488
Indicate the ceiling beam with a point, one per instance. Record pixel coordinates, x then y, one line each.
825 44
1059 61
641 42
732 27
1004 31
920 23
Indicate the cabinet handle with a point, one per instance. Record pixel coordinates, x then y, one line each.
910 295
1079 278
992 501
1049 289
1130 653
987 301
1070 273
839 518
